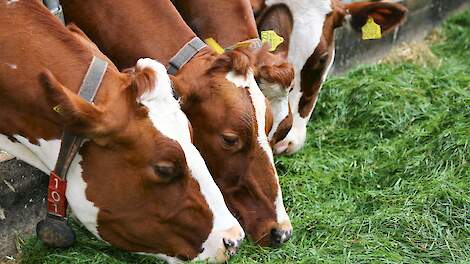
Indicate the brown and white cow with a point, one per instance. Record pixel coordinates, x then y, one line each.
308 29
230 22
219 95
137 183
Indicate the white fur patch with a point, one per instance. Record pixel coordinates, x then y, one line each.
23 153
309 17
82 208
11 66
169 119
9 2
278 97
259 103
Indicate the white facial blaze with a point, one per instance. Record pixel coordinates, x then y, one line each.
169 119
43 156
309 17
259 103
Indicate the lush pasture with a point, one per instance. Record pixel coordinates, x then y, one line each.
385 175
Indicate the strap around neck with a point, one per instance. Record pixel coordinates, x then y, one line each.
55 8
71 144
185 54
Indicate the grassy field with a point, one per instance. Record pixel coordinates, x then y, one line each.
385 175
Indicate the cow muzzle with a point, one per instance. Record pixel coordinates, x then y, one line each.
293 142
220 246
281 234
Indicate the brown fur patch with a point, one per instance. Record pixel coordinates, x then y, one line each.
238 60
281 74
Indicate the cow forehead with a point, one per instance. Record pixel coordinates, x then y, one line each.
259 103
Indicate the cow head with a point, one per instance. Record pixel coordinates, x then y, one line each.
139 183
231 23
308 26
229 115
274 77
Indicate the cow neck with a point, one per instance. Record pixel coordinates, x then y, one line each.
132 29
228 22
185 54
58 49
170 31
88 90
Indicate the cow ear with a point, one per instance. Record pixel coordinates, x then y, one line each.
388 15
143 82
78 116
279 19
187 97
269 68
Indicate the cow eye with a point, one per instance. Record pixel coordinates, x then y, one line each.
166 170
230 141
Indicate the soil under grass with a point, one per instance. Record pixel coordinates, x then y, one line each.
384 177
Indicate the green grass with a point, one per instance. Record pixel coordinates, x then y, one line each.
384 177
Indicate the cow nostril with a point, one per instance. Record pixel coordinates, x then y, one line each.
201 250
275 237
231 246
281 148
279 236
228 243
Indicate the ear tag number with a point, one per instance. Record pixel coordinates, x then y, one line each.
214 45
371 30
272 38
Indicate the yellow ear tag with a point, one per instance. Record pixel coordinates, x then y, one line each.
371 30
273 39
214 45
57 109
244 44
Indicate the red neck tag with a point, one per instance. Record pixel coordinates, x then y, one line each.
56 201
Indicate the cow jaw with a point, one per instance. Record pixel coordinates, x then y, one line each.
259 104
168 118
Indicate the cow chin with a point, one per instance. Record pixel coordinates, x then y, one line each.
294 141
269 233
215 249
